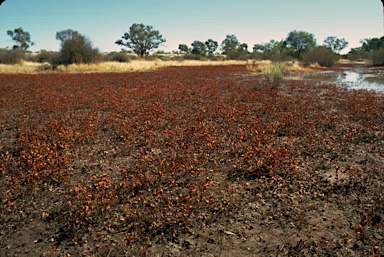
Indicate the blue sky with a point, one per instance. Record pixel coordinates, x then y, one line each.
182 22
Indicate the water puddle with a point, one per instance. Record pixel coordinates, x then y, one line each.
357 80
369 79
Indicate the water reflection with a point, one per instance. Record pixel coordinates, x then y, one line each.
356 80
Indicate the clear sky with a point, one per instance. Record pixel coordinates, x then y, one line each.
183 21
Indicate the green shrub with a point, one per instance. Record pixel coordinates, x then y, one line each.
164 58
238 55
11 56
377 57
321 55
213 57
55 60
233 55
117 57
282 57
178 58
45 56
197 57
152 57
78 50
357 54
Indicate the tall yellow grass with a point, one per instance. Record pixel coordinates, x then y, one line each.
24 67
267 65
135 65
139 65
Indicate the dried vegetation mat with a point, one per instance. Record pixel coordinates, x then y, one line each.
189 161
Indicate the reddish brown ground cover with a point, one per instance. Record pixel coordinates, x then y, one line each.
188 161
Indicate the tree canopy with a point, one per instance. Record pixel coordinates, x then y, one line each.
21 38
68 34
372 44
183 48
141 39
243 48
229 44
211 46
300 41
335 44
270 48
199 48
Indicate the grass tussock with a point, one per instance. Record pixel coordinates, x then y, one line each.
274 71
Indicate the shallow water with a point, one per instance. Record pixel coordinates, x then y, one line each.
357 80
364 78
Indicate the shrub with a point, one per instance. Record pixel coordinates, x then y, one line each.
377 57
212 57
55 61
152 57
321 55
164 58
178 58
45 56
117 57
234 55
197 57
11 56
357 54
76 48
282 57
78 51
238 55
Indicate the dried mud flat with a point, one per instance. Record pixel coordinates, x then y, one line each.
189 161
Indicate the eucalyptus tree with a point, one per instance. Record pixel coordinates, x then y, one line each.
300 41
198 48
21 38
211 46
183 48
335 44
141 39
229 44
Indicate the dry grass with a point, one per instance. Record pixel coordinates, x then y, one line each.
139 65
276 71
136 65
267 65
24 67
